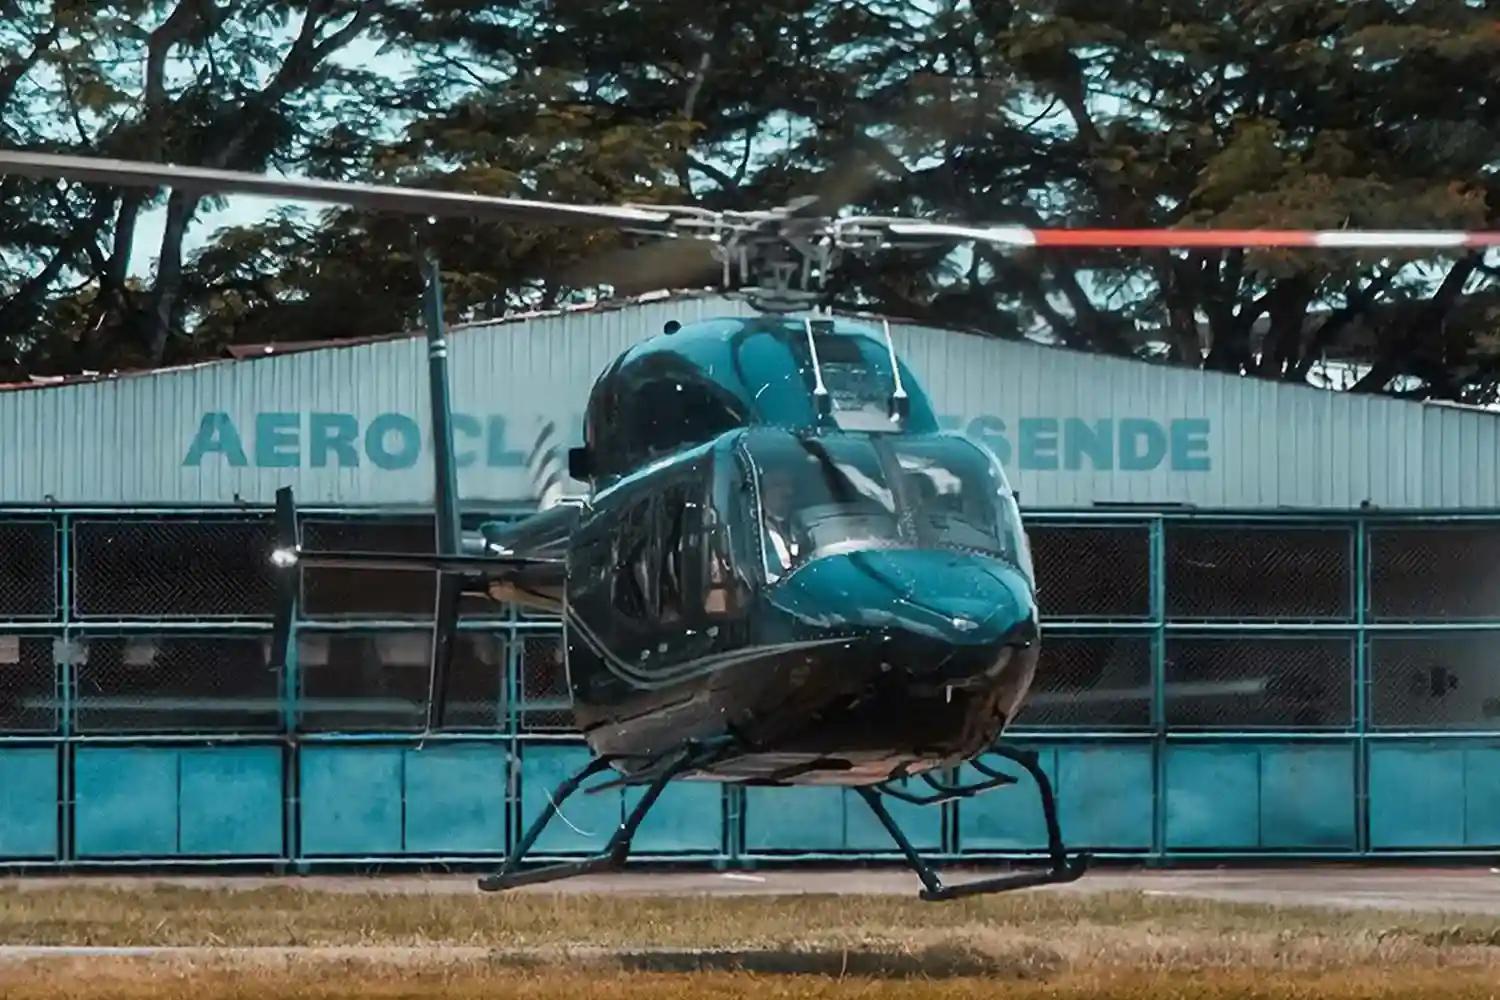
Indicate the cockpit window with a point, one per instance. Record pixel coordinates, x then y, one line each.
822 495
958 497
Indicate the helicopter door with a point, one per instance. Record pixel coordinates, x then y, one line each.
686 594
644 597
610 596
729 556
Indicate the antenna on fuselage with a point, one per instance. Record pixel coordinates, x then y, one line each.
900 403
820 391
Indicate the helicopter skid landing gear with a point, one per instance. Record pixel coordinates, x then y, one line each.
613 857
1062 868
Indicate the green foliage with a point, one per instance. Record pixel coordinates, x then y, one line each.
1314 113
245 85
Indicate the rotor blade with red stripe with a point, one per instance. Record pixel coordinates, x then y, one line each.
385 198
1020 236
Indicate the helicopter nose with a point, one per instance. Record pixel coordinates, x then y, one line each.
957 598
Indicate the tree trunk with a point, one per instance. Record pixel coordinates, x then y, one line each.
1357 301
1288 311
1174 278
162 318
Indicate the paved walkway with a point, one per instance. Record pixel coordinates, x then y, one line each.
1470 890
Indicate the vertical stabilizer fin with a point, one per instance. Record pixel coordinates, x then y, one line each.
445 494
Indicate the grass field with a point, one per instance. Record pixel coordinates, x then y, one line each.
274 942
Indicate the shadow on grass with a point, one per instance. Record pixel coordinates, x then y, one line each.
947 960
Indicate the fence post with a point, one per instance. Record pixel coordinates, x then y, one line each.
1158 689
1361 687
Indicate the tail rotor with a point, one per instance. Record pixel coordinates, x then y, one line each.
450 563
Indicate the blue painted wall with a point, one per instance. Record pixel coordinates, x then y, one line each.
400 800
187 801
28 803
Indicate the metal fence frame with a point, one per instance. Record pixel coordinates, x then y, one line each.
514 734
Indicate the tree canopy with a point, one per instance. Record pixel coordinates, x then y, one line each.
1305 113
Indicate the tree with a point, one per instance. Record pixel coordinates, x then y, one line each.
243 85
1313 113
1307 114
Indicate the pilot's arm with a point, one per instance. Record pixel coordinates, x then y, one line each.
780 547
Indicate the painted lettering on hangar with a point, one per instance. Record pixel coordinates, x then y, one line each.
394 441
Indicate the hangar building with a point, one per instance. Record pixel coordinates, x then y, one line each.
1272 615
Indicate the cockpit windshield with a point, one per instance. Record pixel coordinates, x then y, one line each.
957 496
823 495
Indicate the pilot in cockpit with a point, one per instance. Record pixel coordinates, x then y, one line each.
776 502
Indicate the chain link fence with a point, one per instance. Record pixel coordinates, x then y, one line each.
165 568
343 593
1258 572
28 685
175 683
1435 572
1092 572
378 594
1099 682
1435 681
1237 637
175 568
371 681
1234 682
477 681
545 699
28 569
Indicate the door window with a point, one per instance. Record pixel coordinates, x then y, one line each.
634 584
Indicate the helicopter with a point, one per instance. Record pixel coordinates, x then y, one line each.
782 571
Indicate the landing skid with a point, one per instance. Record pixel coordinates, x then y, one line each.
615 853
1062 868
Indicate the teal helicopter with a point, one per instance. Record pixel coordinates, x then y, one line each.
781 572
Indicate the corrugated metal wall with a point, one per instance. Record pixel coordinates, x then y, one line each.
349 426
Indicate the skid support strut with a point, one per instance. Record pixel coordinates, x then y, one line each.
1061 869
615 852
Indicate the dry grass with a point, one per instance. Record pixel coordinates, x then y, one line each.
1040 944
156 914
140 980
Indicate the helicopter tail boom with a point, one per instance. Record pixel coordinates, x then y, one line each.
485 569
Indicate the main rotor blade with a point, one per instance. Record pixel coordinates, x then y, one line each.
672 263
383 198
1327 239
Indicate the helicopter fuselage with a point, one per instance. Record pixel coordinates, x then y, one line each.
871 655
832 601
